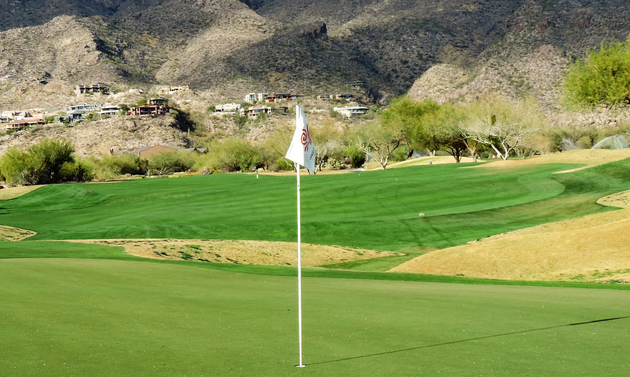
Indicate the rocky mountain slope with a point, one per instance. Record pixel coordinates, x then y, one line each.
225 46
124 135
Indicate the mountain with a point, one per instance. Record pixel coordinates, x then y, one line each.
444 49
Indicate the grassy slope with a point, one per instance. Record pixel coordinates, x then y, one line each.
98 317
377 210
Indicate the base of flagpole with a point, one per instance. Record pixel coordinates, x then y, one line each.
300 366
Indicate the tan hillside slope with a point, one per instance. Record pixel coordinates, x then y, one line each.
592 248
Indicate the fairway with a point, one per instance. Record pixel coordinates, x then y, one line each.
98 317
373 210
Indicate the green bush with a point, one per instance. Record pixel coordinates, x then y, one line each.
283 165
602 78
12 164
356 155
171 162
111 167
76 171
49 161
230 155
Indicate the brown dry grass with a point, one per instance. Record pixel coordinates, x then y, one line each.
592 248
9 233
242 252
620 199
14 192
588 157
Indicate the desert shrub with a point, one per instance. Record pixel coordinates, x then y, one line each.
49 161
356 155
76 171
233 154
603 77
12 164
400 154
111 167
171 162
283 165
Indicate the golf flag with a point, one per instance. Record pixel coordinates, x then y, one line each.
301 150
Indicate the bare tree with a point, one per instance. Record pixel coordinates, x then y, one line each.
328 139
377 141
503 126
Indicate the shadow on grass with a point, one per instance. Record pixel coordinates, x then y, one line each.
469 340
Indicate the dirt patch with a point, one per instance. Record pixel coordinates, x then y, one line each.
9 233
592 248
241 252
14 192
620 199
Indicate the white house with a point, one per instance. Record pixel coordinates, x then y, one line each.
110 110
350 111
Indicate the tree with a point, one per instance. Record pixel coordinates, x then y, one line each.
603 77
328 140
274 147
501 125
377 141
408 117
444 131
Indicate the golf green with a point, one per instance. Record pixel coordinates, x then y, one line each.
76 317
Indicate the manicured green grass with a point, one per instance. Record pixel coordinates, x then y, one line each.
377 210
64 317
50 249
71 309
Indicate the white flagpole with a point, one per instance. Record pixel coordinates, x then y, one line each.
299 264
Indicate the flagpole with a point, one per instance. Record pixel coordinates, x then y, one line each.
299 264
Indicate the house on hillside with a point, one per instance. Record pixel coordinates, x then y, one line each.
24 123
351 111
78 111
109 110
7 116
155 107
98 88
250 98
255 111
227 109
173 89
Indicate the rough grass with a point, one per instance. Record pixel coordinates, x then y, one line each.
586 157
15 192
591 248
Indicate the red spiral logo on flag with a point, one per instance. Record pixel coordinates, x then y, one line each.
306 138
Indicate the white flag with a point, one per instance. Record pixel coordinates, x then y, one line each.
302 150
